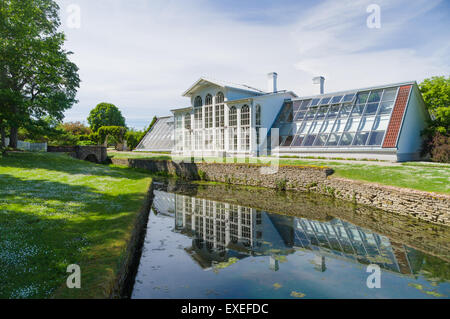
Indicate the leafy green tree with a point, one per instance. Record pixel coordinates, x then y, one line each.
105 114
37 78
436 94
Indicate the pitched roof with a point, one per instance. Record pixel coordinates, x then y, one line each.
204 81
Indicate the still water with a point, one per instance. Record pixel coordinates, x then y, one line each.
202 244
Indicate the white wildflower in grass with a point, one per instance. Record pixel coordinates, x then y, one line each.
25 292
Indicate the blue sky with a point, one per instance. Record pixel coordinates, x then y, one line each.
141 54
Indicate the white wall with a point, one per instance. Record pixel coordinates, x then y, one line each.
415 120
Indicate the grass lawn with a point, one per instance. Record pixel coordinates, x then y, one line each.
430 177
56 211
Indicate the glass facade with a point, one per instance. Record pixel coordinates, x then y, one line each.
357 119
160 137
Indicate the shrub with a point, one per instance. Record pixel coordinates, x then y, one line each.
202 175
281 185
133 138
438 147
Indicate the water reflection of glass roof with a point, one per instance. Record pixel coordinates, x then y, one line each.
160 137
221 231
355 119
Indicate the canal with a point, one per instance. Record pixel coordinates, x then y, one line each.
218 241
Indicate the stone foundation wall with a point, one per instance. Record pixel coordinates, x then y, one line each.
431 207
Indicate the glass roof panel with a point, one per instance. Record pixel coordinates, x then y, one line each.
349 97
375 96
159 138
389 94
325 100
357 119
362 98
336 99
315 102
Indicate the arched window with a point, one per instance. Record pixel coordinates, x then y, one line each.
208 100
233 117
220 110
208 111
245 128
198 101
220 98
245 116
187 121
258 115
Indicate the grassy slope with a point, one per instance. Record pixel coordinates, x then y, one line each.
56 211
426 177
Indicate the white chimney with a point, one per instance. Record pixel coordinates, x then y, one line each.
272 82
320 80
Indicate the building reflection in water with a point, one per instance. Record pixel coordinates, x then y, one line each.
221 231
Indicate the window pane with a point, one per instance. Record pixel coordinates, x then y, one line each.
322 112
339 125
311 114
336 99
362 98
381 123
310 140
345 111
389 94
304 128
346 139
296 105
334 110
358 110
367 123
361 138
352 124
375 96
305 104
325 100
288 141
333 140
386 107
327 126
299 116
376 138
349 97
321 139
298 140
315 128
286 113
372 108
315 102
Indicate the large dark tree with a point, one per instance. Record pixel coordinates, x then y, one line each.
37 78
105 114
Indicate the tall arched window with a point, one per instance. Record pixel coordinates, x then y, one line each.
233 117
258 115
245 128
198 101
187 121
220 98
245 116
208 100
208 111
233 128
220 121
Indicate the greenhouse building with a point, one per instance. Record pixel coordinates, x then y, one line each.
225 119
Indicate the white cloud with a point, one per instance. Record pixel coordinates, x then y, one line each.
141 55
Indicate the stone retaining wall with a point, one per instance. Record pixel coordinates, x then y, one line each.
431 207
